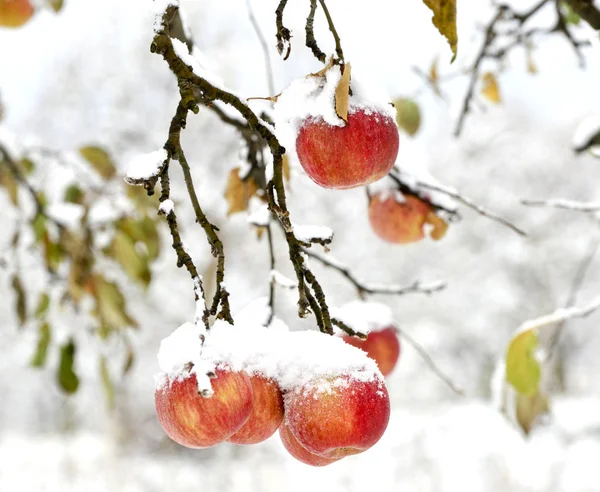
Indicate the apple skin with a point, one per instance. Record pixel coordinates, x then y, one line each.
357 154
267 412
347 418
382 346
15 13
291 444
197 422
396 222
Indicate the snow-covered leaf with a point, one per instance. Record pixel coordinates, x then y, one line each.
444 18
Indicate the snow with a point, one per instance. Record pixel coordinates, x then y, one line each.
307 233
364 317
282 280
293 359
159 8
193 60
260 215
68 214
586 131
166 207
145 166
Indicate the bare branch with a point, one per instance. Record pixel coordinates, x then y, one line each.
564 204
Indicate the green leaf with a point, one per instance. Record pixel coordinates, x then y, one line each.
408 115
39 226
110 306
21 300
444 18
136 265
100 160
53 253
529 408
523 370
41 352
142 230
143 202
57 5
67 379
27 165
569 16
107 384
42 305
74 194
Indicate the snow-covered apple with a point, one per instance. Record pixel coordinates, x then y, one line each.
382 346
195 421
15 13
291 444
266 415
396 220
356 154
338 416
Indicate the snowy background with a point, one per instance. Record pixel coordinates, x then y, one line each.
87 76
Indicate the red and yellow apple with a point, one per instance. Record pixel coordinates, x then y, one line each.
359 153
398 222
15 13
337 417
291 444
266 415
199 422
382 346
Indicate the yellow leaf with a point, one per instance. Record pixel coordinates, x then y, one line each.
238 192
444 18
490 89
100 160
440 226
10 183
286 167
342 93
523 370
529 408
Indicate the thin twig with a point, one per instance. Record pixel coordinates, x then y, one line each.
264 46
311 42
338 44
564 204
456 388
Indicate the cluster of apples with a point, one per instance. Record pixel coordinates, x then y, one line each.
359 152
321 418
15 13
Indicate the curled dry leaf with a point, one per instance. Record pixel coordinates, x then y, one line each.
444 18
439 226
342 93
238 192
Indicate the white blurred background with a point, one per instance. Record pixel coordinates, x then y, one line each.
87 75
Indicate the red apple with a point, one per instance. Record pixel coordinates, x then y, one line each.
198 422
15 13
337 417
266 415
398 222
293 447
382 346
359 153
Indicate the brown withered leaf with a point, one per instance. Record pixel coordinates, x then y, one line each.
529 408
489 88
21 300
342 93
238 192
440 226
444 18
10 183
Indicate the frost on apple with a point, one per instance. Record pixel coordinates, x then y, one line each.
285 371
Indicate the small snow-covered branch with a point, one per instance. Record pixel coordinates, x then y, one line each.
166 207
453 193
146 167
311 234
363 288
564 204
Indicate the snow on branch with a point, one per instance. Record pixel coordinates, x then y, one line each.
564 204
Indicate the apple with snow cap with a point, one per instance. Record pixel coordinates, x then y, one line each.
338 416
381 345
266 415
196 421
15 13
345 135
